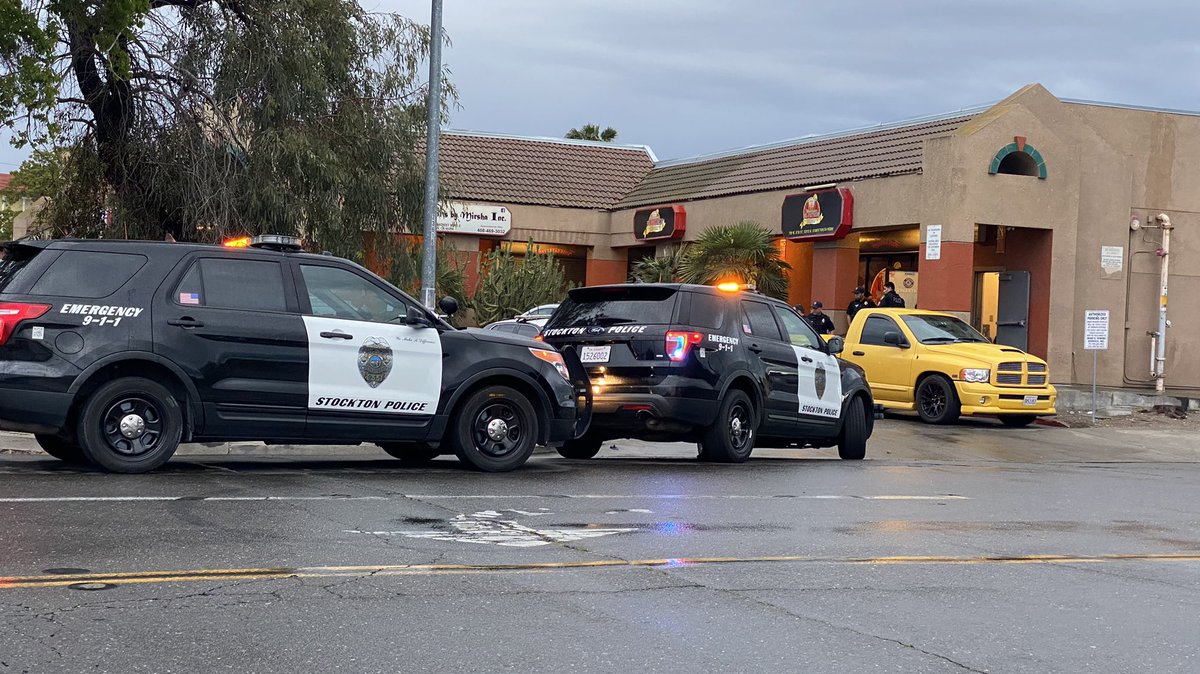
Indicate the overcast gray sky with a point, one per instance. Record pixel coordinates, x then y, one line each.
689 77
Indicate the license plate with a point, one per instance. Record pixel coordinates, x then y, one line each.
1030 401
594 354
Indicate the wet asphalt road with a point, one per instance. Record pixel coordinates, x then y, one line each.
969 548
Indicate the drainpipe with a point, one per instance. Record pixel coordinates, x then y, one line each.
1160 358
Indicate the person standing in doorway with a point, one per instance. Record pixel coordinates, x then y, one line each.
891 299
861 301
818 320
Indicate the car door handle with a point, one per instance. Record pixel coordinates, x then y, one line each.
186 322
857 353
336 335
806 359
755 348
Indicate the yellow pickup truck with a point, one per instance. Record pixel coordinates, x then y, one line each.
942 368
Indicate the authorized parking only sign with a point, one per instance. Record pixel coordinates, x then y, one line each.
1095 330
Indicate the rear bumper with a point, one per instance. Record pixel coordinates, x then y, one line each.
988 399
34 411
635 410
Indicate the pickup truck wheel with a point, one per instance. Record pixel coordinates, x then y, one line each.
581 448
494 430
1017 420
731 438
852 445
60 448
937 402
130 425
411 453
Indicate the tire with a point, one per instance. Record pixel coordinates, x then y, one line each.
936 400
731 438
852 444
1017 420
130 425
482 443
61 448
581 448
411 453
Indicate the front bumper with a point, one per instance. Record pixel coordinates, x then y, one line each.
989 399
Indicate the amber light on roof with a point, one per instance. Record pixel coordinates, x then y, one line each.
240 242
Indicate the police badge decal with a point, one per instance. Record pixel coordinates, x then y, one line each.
374 361
819 381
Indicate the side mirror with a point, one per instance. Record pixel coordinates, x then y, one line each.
448 305
835 344
416 318
895 339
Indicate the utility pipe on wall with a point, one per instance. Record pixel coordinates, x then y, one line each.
1160 358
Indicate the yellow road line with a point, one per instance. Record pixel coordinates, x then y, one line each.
199 575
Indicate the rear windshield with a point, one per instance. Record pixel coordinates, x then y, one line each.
615 306
12 260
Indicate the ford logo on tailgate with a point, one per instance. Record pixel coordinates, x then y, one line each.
595 330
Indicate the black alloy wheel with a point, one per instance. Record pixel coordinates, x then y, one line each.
495 431
581 448
130 425
731 438
937 403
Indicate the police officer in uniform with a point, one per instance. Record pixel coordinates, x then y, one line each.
891 299
861 301
818 320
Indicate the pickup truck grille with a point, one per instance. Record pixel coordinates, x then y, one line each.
1020 374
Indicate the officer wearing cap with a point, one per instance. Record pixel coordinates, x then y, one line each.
818 320
861 301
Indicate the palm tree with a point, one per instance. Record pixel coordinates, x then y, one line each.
593 132
660 269
744 252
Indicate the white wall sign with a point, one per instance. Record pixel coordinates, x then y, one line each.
1112 258
486 219
1095 330
933 242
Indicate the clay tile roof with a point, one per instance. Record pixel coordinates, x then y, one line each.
540 171
5 179
875 152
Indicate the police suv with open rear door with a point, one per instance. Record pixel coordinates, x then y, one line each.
114 352
728 368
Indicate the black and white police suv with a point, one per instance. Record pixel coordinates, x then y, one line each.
117 351
729 368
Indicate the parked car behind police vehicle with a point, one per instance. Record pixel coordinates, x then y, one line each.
117 351
732 370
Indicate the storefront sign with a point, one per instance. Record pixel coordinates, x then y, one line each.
660 222
480 219
818 216
933 242
1095 330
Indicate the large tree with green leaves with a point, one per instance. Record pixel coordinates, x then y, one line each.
205 118
593 132
744 252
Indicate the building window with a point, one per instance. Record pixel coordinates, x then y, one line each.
1019 158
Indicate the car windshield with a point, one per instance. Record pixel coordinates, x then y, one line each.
941 329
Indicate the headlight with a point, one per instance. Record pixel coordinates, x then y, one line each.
554 358
974 375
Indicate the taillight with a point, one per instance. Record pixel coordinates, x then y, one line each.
12 313
679 342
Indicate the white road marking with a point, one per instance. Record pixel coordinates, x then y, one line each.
486 528
706 497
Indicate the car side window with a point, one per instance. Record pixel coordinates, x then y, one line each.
798 330
338 293
762 321
875 328
527 330
228 283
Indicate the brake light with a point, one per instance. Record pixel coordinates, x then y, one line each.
12 313
679 342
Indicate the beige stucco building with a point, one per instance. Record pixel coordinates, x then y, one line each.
1015 216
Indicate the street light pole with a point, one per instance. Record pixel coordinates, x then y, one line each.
432 141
